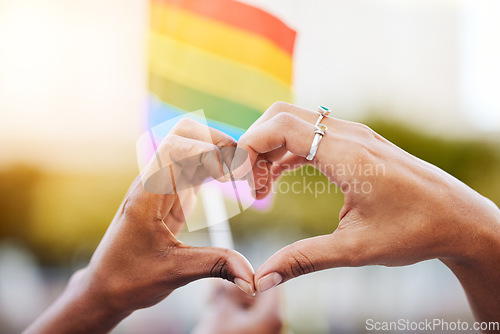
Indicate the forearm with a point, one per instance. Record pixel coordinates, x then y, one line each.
482 289
479 273
76 311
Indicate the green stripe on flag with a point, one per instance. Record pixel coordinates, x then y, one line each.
215 108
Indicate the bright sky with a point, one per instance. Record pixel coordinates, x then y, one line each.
72 81
72 74
431 63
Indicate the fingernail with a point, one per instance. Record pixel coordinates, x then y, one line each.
244 286
269 281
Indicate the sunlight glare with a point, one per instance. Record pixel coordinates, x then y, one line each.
30 42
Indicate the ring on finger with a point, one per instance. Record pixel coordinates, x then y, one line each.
319 132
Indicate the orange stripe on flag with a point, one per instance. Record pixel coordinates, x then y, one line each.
219 38
241 16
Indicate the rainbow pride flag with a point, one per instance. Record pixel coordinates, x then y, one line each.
228 58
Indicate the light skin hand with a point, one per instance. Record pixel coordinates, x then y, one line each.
409 210
230 311
139 261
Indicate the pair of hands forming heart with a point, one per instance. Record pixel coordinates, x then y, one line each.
408 211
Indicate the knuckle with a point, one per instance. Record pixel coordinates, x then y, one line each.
170 141
365 144
367 134
277 107
226 143
243 140
169 148
130 211
246 139
185 123
299 262
285 119
364 129
221 266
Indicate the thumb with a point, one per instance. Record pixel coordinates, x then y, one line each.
306 256
202 262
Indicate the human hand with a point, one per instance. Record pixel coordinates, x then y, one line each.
139 261
398 209
230 311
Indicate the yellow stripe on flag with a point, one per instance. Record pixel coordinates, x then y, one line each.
207 72
223 40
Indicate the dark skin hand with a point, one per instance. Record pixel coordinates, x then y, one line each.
139 261
408 211
412 212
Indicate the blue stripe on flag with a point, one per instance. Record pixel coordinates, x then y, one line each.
159 112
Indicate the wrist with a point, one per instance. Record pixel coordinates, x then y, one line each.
477 242
78 310
92 307
478 272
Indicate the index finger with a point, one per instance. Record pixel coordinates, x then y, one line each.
283 130
337 125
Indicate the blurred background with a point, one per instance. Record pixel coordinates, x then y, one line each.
73 91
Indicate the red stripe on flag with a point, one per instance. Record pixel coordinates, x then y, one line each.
242 16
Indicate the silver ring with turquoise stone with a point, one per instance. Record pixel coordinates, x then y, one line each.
319 132
323 112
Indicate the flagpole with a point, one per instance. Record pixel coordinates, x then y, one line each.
216 216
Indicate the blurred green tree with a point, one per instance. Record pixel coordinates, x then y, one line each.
17 194
475 162
61 216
